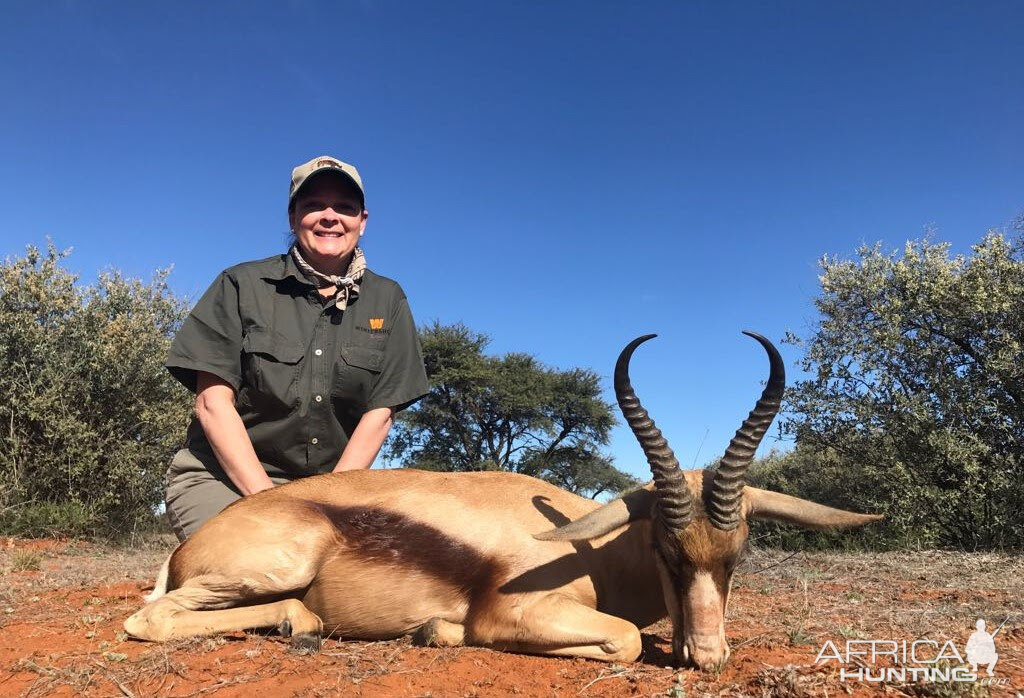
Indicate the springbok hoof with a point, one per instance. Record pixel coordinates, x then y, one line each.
437 632
426 634
306 643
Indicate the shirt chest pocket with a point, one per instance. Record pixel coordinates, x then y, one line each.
355 374
270 365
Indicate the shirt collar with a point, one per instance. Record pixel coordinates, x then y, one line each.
286 268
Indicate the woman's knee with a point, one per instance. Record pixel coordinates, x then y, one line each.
194 499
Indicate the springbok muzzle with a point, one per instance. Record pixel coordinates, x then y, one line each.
705 652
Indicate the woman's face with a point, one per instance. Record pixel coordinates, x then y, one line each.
328 219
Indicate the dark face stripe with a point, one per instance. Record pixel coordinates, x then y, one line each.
710 550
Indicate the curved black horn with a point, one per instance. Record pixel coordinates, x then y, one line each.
727 487
673 494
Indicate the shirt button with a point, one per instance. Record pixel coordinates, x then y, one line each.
318 352
318 398
313 441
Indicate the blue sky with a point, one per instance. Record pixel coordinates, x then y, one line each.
560 175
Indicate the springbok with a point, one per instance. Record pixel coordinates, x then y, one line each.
470 558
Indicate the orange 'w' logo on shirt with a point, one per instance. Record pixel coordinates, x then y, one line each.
376 323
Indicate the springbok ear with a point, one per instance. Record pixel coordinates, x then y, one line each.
618 512
765 504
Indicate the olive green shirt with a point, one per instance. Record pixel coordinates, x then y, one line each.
304 372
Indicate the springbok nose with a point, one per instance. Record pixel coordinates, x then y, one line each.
705 653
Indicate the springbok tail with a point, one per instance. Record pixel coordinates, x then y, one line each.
160 588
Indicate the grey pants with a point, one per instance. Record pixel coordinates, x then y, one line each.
195 495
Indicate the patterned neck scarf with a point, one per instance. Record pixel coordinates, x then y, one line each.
347 286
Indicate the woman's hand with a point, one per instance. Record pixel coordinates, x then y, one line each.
366 440
215 410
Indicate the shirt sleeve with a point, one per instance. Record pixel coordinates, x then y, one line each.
211 338
403 379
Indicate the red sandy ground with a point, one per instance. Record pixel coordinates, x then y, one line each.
62 635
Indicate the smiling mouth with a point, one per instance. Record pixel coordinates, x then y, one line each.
320 234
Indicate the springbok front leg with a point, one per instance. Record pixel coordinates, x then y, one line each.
560 626
179 614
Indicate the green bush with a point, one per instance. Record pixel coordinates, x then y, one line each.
912 402
89 416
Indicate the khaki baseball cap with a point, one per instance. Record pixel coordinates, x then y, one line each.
303 172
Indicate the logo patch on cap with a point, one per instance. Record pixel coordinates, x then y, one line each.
326 162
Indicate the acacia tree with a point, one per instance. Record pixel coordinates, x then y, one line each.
506 413
916 396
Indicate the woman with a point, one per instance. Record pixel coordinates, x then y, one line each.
298 361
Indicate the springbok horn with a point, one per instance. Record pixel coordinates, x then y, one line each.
675 504
727 486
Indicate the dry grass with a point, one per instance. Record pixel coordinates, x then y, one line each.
25 560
